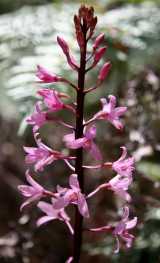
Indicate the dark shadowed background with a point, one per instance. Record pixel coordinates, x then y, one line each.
28 30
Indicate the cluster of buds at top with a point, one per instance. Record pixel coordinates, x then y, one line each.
52 101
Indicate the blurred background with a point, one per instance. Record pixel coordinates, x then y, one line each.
28 30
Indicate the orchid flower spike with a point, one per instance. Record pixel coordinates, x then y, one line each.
122 228
45 76
42 155
110 112
33 192
52 214
124 166
86 142
72 195
38 118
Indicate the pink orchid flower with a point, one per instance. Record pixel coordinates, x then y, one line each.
110 112
41 155
45 76
52 214
119 185
86 142
51 99
38 118
33 192
72 195
121 230
124 166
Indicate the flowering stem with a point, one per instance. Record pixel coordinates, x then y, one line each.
79 152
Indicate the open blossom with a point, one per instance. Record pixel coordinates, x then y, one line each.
110 112
38 118
45 76
86 142
72 195
33 192
124 166
122 228
52 214
119 185
51 99
42 155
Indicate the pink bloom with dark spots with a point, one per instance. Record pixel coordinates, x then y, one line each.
45 76
64 46
86 142
72 195
33 192
42 155
122 229
51 99
110 112
38 118
52 214
124 166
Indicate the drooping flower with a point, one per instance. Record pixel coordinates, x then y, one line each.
52 214
72 195
33 192
45 76
86 142
38 118
42 155
51 99
122 228
110 112
124 166
119 185
65 48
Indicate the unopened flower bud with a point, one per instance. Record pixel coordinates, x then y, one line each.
63 44
98 41
104 71
98 55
